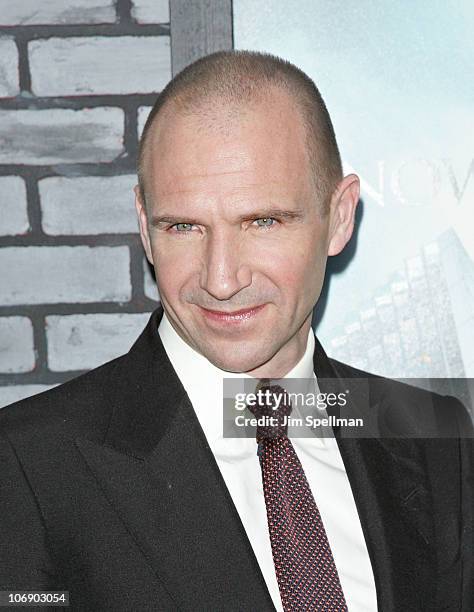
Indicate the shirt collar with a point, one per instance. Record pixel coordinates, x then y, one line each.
203 382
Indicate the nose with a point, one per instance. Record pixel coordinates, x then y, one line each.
224 272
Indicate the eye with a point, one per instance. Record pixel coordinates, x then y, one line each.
265 222
182 227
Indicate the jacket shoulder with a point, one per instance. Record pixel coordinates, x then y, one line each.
80 404
407 408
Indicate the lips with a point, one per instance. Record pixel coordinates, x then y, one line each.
232 316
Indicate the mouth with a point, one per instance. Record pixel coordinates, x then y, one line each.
235 316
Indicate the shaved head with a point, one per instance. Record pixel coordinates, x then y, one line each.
221 87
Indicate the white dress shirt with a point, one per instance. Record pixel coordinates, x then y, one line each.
238 462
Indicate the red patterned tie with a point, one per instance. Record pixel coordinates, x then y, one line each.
304 565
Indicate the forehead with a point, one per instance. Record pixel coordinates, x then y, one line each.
227 147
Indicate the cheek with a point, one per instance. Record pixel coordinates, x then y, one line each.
173 268
304 263
299 275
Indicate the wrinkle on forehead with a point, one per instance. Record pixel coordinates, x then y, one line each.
251 187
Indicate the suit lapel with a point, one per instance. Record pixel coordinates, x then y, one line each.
390 490
158 473
394 509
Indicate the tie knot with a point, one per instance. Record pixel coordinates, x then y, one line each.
272 409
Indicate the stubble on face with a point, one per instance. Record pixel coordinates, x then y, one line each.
220 180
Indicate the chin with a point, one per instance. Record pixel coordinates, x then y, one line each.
237 364
232 365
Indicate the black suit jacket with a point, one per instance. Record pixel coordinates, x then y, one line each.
108 489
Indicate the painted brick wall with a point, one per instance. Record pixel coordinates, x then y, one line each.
77 79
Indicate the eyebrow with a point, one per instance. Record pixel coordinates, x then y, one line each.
157 220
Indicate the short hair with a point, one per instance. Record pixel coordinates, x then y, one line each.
244 77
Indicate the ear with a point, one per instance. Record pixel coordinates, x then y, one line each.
342 213
143 223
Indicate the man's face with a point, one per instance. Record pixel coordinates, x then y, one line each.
234 233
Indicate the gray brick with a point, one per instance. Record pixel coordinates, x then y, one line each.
29 12
151 11
14 393
78 342
16 345
60 135
143 112
149 283
13 206
88 205
9 83
63 274
99 65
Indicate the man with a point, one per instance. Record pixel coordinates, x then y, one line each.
119 486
